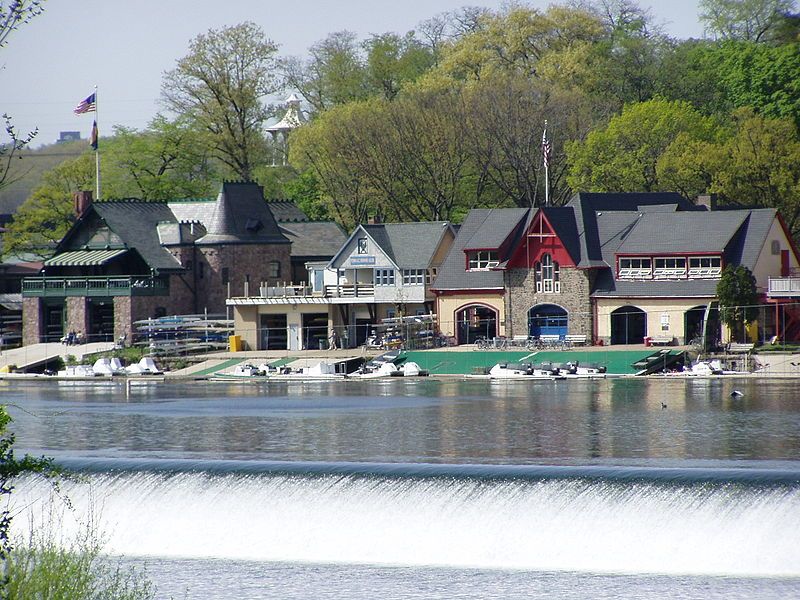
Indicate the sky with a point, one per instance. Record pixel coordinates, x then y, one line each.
123 47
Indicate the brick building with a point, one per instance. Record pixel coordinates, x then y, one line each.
124 261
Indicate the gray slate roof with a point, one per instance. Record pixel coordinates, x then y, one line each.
409 245
285 211
486 229
313 239
241 216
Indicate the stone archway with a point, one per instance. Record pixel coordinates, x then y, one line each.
547 319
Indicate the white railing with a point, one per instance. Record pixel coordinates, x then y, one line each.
357 290
784 286
283 290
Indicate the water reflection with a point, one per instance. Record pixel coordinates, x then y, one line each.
424 420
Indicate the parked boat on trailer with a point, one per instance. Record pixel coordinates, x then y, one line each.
525 371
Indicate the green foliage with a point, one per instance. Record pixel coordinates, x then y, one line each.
738 299
219 86
306 192
45 567
750 20
12 467
168 160
45 217
623 157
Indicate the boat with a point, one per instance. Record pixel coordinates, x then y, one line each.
108 367
575 370
526 371
80 371
322 371
409 369
145 366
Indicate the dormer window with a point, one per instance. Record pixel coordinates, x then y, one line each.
705 267
482 260
362 245
669 268
635 268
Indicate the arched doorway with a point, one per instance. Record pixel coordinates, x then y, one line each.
547 319
700 331
474 321
628 325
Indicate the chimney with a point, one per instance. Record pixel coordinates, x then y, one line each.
374 220
707 200
81 201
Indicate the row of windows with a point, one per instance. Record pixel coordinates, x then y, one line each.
672 267
481 260
410 276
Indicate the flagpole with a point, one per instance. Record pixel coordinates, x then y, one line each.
97 150
546 169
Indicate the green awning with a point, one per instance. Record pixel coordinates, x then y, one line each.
83 258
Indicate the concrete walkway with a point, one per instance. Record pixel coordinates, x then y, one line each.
36 354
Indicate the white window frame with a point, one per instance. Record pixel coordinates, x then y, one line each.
361 246
482 260
669 267
413 276
384 277
705 267
547 275
635 267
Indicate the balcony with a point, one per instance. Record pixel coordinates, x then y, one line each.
784 287
357 290
62 287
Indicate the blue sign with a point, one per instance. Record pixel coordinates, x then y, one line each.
362 261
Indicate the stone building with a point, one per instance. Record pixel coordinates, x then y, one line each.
124 261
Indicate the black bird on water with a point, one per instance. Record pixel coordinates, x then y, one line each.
736 394
663 405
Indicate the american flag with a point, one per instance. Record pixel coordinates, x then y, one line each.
545 147
86 105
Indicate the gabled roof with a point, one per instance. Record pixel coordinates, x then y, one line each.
313 239
562 219
482 229
408 245
286 211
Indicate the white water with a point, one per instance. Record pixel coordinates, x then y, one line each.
555 525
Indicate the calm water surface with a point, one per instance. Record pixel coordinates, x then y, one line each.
578 489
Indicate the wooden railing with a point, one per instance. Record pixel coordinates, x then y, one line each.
55 287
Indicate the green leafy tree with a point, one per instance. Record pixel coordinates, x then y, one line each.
168 160
393 60
749 20
334 73
220 85
623 156
305 191
738 299
44 218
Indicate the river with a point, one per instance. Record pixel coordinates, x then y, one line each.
616 488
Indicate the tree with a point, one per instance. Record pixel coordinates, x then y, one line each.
393 60
738 299
9 150
220 85
168 160
44 218
623 156
334 74
748 20
15 13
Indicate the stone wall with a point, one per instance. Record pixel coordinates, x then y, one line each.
77 318
521 296
32 321
244 262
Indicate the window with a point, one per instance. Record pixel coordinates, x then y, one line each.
705 267
431 275
384 276
391 313
547 274
274 269
483 259
413 276
635 268
669 268
362 245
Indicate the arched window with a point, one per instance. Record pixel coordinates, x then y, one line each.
547 274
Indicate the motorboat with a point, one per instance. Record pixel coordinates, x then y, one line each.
575 370
108 367
525 371
80 371
409 369
375 370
